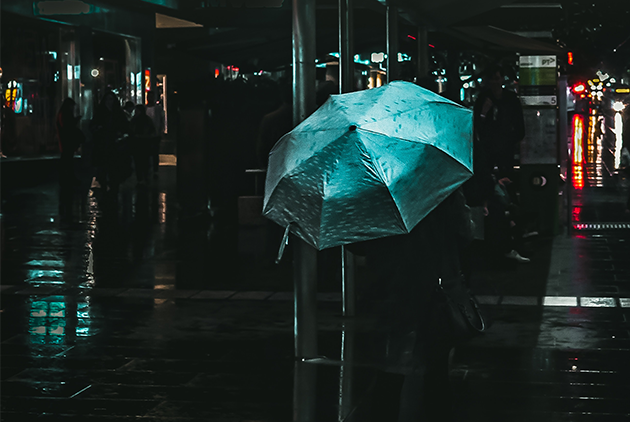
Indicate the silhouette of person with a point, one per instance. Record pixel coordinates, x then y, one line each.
128 108
70 138
499 129
109 124
142 133
412 382
156 113
499 124
274 125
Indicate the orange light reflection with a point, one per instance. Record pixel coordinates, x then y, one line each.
578 136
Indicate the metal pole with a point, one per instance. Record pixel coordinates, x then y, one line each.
303 59
346 47
422 62
305 257
393 72
346 371
565 150
348 282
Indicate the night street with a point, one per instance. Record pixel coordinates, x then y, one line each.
125 311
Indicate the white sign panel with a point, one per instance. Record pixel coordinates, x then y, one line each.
537 61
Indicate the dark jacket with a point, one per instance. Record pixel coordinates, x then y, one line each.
500 131
407 269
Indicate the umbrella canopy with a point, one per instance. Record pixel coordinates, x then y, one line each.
368 164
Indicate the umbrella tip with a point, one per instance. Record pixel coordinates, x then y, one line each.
352 128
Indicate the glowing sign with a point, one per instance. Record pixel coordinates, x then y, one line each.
147 79
578 136
13 96
377 57
622 90
569 57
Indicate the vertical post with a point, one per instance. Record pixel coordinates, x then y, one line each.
346 371
305 257
347 282
422 61
564 150
346 47
393 69
88 83
303 59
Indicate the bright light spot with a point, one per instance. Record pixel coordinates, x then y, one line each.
579 88
94 73
466 85
618 106
619 139
578 135
377 57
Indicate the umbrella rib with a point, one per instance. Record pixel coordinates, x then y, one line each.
381 176
426 105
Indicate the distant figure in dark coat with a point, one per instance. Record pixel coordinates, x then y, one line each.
499 124
499 129
274 125
109 124
156 113
70 138
142 133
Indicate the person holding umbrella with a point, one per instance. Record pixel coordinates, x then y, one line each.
381 171
412 382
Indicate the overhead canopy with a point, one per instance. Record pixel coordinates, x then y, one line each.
498 39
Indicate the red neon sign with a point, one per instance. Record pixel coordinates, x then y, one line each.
147 79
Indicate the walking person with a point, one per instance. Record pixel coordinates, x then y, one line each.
108 125
413 379
499 128
142 132
499 124
70 139
156 113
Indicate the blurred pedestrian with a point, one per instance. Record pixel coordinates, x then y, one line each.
499 124
70 138
413 380
128 108
109 126
499 129
274 125
503 225
141 132
156 113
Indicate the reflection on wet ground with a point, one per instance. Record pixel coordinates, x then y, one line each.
125 310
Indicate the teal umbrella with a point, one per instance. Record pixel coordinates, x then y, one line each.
368 164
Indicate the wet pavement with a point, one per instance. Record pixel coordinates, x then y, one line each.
125 310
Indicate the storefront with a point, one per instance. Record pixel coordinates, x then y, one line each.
49 55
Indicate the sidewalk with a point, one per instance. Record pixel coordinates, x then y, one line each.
127 312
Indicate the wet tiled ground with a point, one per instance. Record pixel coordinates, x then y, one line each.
128 312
